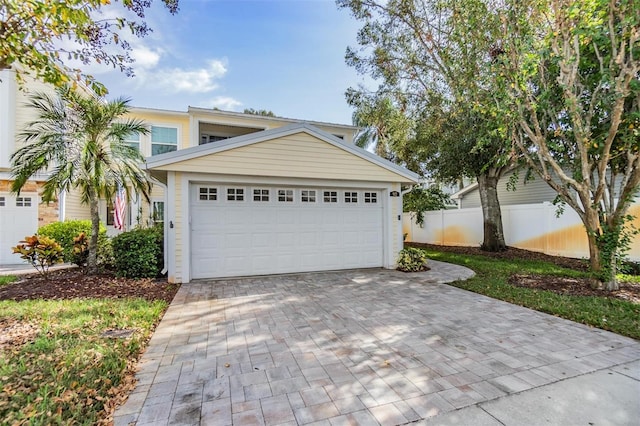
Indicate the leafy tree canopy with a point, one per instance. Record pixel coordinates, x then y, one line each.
263 112
44 35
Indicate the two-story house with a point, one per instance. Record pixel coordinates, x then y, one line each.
238 194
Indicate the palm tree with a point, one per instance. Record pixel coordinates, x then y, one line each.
79 142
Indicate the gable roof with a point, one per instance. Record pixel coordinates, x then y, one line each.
266 135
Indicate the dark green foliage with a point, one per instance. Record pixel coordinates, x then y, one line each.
65 232
411 259
420 200
139 253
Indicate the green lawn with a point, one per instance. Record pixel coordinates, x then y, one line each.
66 373
616 315
7 279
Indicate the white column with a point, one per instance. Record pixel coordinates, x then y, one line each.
7 116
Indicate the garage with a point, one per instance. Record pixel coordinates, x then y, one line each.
284 200
257 230
18 219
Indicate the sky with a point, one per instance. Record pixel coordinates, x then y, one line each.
286 56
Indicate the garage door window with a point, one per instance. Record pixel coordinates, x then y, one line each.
308 196
2 201
208 194
330 196
23 202
285 195
370 198
261 195
235 194
350 197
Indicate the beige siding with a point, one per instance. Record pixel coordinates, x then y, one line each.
74 209
299 155
256 121
157 194
162 118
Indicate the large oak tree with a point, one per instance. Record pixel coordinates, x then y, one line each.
437 59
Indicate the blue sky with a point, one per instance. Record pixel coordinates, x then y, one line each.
282 55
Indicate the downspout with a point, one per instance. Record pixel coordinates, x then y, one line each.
62 206
165 228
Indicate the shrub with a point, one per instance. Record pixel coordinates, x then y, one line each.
412 259
105 253
138 253
40 251
80 249
65 232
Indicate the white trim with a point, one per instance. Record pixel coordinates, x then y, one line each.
185 228
170 232
221 113
8 88
253 138
62 206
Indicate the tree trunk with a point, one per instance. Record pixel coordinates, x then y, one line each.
92 259
592 226
491 214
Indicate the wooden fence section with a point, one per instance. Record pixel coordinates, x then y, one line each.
528 226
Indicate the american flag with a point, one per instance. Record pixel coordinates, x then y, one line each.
119 207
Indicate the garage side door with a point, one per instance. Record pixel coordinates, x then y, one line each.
242 230
18 218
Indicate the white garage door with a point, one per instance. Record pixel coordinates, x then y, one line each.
18 218
243 230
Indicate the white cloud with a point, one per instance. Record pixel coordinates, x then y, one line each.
180 80
145 57
226 103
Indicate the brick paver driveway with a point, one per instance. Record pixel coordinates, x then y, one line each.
353 347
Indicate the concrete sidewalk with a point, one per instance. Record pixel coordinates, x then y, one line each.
369 347
604 398
26 269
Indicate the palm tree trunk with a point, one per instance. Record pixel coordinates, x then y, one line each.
92 259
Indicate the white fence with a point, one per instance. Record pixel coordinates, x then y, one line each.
528 226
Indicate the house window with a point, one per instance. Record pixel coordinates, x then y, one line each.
260 195
163 139
2 201
205 139
208 194
370 197
308 196
23 202
158 212
350 197
235 194
109 214
330 196
133 140
285 195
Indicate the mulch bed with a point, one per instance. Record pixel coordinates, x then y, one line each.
72 283
559 285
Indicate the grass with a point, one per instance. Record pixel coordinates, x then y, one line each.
7 279
615 315
68 372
